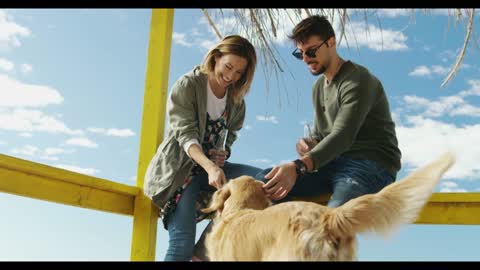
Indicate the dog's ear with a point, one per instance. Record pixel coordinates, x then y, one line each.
218 200
397 204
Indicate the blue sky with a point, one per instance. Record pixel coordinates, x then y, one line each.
71 88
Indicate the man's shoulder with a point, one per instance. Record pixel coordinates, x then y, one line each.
359 73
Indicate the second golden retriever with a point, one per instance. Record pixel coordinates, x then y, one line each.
247 229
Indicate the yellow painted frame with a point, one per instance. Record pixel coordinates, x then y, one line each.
38 181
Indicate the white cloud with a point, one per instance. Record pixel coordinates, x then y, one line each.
394 12
446 189
370 36
10 31
451 105
205 43
247 127
89 171
260 161
180 39
474 89
47 154
3 143
424 71
24 120
28 150
420 71
26 68
25 134
422 140
467 110
55 151
441 70
448 104
449 184
49 158
272 119
81 141
17 94
6 65
112 132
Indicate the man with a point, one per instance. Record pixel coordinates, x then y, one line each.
353 149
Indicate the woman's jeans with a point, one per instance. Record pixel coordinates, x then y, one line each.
345 178
182 224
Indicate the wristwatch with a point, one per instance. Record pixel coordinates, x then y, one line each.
300 167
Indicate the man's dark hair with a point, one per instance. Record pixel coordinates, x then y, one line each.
315 25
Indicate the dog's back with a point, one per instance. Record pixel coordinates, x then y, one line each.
308 231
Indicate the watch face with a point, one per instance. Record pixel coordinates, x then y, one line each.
301 168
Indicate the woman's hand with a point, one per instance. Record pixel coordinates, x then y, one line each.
216 177
218 156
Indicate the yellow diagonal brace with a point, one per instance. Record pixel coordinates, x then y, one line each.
153 125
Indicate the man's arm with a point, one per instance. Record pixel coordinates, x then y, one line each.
356 102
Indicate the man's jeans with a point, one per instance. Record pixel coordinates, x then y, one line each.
344 177
182 224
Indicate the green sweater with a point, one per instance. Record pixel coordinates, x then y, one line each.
352 118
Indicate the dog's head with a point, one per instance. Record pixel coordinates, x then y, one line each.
240 193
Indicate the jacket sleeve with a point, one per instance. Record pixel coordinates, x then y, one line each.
235 125
182 112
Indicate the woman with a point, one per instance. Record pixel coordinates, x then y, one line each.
206 109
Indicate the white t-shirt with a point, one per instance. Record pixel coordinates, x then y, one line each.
215 108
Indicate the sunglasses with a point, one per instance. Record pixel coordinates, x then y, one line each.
311 53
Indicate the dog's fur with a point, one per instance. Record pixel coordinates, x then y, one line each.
247 229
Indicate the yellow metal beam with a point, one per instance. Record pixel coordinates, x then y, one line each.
451 209
442 208
153 125
38 181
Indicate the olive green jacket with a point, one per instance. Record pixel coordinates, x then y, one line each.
187 115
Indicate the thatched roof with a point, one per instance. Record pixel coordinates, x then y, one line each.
264 27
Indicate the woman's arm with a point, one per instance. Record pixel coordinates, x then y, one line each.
216 176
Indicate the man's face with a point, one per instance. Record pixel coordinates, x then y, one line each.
315 53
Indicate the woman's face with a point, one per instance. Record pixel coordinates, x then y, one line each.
229 68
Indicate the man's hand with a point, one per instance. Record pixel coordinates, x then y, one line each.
218 156
305 145
216 177
282 178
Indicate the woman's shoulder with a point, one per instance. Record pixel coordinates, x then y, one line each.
194 75
191 80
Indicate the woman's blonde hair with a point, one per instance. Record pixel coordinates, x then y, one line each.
239 46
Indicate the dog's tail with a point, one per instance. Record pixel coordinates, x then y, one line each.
397 204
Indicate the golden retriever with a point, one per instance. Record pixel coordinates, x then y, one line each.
247 228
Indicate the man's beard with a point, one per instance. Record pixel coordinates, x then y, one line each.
320 71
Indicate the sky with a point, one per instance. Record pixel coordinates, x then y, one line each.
71 96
